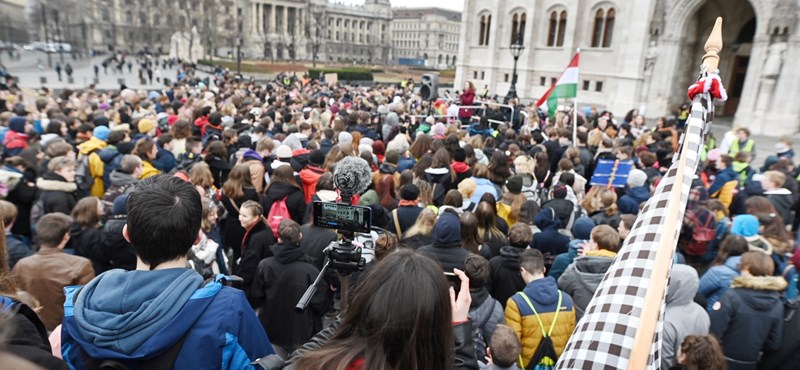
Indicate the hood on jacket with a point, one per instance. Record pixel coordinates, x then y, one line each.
510 256
547 219
120 178
286 254
53 182
760 292
592 265
683 284
435 175
131 306
543 291
310 174
280 190
108 153
90 145
582 228
387 168
447 230
640 193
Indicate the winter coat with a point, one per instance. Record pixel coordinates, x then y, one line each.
446 247
115 251
483 186
56 193
256 246
716 280
96 170
563 208
505 279
582 232
220 168
783 201
83 239
466 98
682 317
601 218
748 319
543 294
309 177
439 178
295 200
416 242
111 159
406 216
485 313
633 198
148 170
581 279
549 241
119 183
165 160
232 229
27 338
315 240
23 196
278 284
723 177
17 249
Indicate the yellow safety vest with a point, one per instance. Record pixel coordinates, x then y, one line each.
735 149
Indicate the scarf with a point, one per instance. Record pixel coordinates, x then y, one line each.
408 203
460 167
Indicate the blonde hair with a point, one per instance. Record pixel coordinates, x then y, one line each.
524 164
467 187
424 225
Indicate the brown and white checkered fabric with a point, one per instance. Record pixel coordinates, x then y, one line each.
604 337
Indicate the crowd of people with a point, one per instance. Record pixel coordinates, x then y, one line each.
186 216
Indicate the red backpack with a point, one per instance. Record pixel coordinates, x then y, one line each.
702 234
277 213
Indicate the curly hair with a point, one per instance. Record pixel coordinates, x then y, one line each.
702 352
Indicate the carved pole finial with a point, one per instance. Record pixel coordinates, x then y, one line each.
713 46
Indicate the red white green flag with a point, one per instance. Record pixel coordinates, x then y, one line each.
565 87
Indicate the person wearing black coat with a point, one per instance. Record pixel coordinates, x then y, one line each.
28 336
279 284
115 251
83 239
562 207
446 247
505 279
232 230
748 319
549 241
256 246
23 195
56 190
408 211
283 186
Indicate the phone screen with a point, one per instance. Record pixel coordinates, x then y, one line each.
454 281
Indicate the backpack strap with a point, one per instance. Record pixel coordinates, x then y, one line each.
397 224
541 325
165 360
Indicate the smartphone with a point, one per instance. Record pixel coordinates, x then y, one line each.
342 217
454 281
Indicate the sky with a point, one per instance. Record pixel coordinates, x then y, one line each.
446 4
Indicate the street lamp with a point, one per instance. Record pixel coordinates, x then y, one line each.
516 51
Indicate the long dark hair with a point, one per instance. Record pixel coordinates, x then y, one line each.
470 237
441 159
732 246
282 174
498 168
413 336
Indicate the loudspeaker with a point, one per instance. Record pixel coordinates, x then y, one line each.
429 87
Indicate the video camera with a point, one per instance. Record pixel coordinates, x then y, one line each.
346 219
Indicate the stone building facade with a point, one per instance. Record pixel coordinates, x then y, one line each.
13 27
428 35
641 54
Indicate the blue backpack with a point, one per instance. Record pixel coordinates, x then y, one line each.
792 277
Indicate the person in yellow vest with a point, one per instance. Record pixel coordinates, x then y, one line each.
91 148
743 144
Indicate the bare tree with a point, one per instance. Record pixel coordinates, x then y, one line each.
314 30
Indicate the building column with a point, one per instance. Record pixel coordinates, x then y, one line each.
272 16
253 17
285 20
259 18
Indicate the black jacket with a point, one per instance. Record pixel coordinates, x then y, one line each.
295 200
449 256
406 215
748 319
232 229
416 242
278 285
257 243
83 239
220 168
56 193
23 196
563 208
116 252
28 338
788 357
314 241
505 279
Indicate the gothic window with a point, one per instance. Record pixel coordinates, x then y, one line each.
603 30
518 27
557 28
486 25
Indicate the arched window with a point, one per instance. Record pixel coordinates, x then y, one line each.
518 27
603 30
488 29
557 28
597 32
562 28
609 28
483 30
486 24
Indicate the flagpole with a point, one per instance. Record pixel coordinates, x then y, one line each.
654 299
575 109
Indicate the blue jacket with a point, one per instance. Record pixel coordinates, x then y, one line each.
723 177
405 163
134 315
111 160
165 160
629 203
717 280
582 231
484 186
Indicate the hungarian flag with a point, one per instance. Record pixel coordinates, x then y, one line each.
565 87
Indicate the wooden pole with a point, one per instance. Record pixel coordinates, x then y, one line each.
651 311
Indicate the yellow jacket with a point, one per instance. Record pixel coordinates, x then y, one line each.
543 295
148 170
96 165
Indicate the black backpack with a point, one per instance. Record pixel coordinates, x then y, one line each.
545 356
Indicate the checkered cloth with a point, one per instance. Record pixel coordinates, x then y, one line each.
605 335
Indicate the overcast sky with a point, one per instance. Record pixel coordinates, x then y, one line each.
446 4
